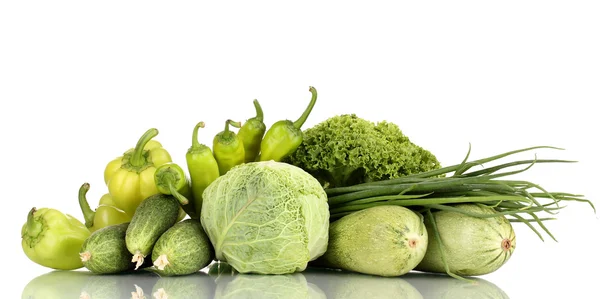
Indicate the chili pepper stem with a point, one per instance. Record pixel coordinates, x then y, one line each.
195 143
259 112
137 159
167 177
34 227
88 213
182 199
298 123
232 123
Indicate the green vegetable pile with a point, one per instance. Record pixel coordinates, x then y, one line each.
346 194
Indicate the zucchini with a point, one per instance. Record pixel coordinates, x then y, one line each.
155 215
471 245
441 286
335 284
183 249
381 240
105 252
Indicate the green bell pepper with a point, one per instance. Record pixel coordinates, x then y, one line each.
53 239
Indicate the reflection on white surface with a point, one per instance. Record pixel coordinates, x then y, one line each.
221 281
445 287
292 286
85 285
198 285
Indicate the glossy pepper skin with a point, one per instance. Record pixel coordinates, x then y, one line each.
228 149
284 136
172 180
105 215
53 239
251 134
130 178
202 166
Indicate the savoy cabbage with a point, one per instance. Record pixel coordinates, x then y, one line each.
266 217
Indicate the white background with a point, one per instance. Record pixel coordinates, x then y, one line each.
81 81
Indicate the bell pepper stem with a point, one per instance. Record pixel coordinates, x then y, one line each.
137 159
195 143
34 227
88 214
182 199
298 124
259 112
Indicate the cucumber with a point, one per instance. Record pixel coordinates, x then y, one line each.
103 287
105 252
128 285
198 286
155 215
471 246
382 240
183 249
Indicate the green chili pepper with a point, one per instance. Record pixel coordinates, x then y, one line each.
53 239
251 134
171 180
284 136
202 166
105 215
228 149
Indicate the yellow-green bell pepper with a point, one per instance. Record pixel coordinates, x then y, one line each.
105 215
53 239
130 178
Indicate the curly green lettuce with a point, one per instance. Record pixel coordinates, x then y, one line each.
346 150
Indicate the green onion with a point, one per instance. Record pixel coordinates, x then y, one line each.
441 188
